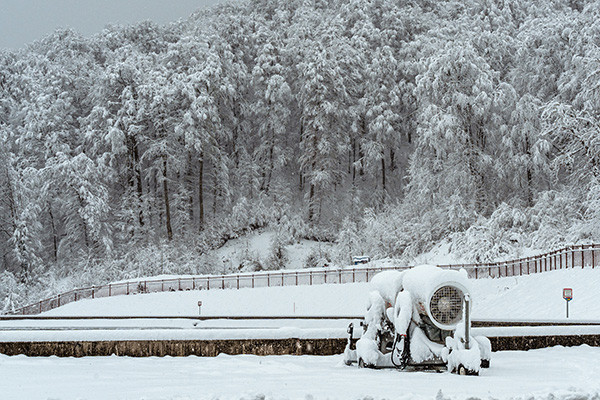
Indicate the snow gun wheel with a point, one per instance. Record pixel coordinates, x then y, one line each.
462 370
485 363
362 364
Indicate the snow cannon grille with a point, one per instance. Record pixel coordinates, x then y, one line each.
446 306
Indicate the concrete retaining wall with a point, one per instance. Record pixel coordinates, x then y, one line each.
148 348
211 348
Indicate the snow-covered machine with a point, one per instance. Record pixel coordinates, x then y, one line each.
419 319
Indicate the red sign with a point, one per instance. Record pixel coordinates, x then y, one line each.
199 304
568 294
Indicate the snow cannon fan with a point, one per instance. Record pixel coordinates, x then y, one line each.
445 305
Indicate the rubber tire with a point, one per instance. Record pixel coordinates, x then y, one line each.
461 370
485 363
362 364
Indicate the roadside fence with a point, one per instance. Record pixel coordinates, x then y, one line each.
579 256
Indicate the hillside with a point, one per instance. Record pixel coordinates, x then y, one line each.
382 128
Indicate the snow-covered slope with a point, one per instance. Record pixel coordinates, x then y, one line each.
527 297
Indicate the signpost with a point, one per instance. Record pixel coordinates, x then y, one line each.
199 307
568 296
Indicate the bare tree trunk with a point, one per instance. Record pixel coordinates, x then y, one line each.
361 155
270 171
311 203
190 186
529 194
138 177
54 235
353 160
383 172
201 193
301 175
215 193
166 197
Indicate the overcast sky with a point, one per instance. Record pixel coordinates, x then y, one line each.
23 21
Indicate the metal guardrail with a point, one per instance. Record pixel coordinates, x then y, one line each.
567 257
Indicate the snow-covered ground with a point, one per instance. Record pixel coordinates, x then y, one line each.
555 373
537 296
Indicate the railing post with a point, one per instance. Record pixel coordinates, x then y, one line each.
75 295
268 279
222 281
367 274
353 275
593 263
238 281
476 269
253 281
582 257
93 289
560 260
193 283
109 289
162 285
573 257
58 300
40 306
340 275
207 283
325 276
179 283
310 275
282 279
296 278
128 288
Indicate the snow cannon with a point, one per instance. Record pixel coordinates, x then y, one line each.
419 319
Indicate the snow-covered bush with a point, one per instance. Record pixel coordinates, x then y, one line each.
348 243
500 235
552 218
318 257
277 258
588 229
10 292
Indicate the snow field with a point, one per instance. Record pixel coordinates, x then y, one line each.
555 373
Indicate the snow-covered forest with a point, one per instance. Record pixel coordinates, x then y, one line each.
383 126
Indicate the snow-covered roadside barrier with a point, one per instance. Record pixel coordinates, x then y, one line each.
84 335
